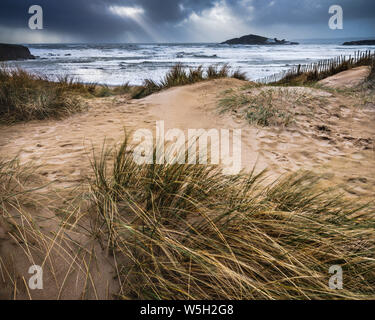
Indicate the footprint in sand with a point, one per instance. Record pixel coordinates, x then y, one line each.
66 145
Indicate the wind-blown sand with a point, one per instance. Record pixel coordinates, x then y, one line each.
333 133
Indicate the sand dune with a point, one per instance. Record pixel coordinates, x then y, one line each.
332 133
329 128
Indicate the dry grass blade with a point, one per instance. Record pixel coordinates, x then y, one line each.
188 232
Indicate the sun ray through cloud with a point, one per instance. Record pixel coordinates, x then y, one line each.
136 14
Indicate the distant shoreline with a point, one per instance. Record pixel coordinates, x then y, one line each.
360 43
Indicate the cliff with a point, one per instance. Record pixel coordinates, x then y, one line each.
14 52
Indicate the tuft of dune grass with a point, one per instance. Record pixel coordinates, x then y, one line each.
261 106
33 231
13 178
26 97
188 232
179 76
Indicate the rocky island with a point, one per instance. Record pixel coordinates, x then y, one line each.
14 52
253 39
360 43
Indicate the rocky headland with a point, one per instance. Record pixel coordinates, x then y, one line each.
14 52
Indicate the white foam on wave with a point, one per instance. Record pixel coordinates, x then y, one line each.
117 64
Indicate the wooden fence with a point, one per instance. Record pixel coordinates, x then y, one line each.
322 69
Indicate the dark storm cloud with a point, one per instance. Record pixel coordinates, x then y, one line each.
92 19
170 10
308 11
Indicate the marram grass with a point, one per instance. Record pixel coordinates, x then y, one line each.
188 232
26 97
179 76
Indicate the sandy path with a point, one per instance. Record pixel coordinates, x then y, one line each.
62 148
195 107
347 79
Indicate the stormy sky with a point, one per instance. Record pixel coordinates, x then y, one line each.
181 20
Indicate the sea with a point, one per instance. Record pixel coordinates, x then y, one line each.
117 64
